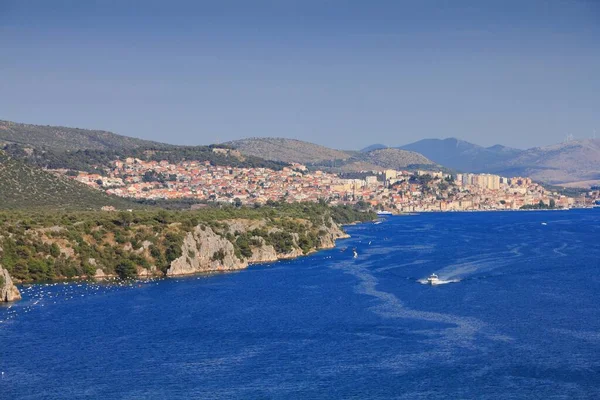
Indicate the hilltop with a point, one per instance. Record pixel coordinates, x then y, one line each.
287 150
332 160
56 147
376 146
462 155
25 187
576 163
395 158
62 138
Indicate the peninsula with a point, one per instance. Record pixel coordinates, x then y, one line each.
160 243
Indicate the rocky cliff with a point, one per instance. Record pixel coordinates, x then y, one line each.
8 291
141 244
204 250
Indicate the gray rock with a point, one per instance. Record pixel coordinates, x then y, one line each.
8 291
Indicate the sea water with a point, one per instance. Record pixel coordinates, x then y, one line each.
520 320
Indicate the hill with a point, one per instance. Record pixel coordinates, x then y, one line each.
56 147
64 139
25 187
94 160
394 158
287 150
377 146
461 155
58 245
576 163
321 157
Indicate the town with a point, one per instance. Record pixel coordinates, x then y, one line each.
390 190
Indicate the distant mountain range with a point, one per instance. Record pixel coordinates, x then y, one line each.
292 150
574 163
460 155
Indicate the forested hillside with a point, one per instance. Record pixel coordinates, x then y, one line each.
63 138
25 187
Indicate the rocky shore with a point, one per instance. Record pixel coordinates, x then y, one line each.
200 245
8 291
206 249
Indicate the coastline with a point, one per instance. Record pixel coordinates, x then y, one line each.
113 279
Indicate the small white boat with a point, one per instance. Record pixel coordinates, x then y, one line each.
433 280
355 254
384 213
544 223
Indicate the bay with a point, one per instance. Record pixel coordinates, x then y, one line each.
520 320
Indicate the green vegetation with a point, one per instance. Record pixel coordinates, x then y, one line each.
45 245
26 187
540 206
567 191
60 138
95 160
287 150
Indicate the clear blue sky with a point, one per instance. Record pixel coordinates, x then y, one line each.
344 74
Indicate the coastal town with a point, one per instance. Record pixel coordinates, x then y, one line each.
390 190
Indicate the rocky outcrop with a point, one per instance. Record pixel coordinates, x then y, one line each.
330 234
99 274
204 250
8 291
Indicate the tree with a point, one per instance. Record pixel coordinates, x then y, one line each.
149 176
552 203
124 218
126 269
54 250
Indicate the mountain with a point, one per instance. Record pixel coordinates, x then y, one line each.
25 187
55 147
573 163
461 155
395 158
316 156
372 147
62 138
576 163
287 150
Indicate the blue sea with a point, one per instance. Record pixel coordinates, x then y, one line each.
521 319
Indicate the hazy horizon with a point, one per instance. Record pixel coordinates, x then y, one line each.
341 74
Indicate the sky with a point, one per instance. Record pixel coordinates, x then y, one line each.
344 74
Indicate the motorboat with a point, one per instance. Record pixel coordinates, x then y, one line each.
355 253
384 212
433 280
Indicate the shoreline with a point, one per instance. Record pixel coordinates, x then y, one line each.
114 279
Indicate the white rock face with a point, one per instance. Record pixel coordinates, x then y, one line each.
203 250
199 251
8 291
99 274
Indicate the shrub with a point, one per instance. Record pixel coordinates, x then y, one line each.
126 269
